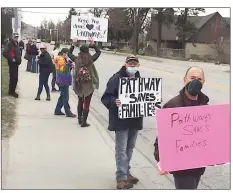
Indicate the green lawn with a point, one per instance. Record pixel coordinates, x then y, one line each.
8 103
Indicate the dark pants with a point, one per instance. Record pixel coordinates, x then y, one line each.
33 63
13 72
43 82
29 63
125 141
54 77
63 100
186 182
85 102
21 51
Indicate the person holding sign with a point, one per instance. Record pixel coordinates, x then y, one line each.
190 95
126 130
85 79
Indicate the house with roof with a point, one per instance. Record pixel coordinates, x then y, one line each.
209 29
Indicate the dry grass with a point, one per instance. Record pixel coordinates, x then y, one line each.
8 104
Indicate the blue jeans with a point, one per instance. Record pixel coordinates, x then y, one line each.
33 63
43 81
125 141
63 100
186 182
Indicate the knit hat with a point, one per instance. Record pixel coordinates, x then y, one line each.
84 48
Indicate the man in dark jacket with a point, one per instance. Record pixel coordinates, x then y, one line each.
46 67
12 54
126 130
21 46
190 95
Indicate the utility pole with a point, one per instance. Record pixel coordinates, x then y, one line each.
16 21
135 30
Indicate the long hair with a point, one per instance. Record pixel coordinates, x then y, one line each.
84 58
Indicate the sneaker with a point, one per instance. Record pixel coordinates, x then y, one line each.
132 179
59 113
124 184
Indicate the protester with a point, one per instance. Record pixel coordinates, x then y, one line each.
33 52
45 67
63 80
21 46
28 56
12 53
54 54
126 130
190 95
85 79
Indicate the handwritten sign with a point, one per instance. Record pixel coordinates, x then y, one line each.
84 28
193 137
139 97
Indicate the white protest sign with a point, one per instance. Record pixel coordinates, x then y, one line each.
84 28
139 97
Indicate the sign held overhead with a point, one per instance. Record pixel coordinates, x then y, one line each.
84 28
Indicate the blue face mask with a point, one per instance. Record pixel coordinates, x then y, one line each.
132 70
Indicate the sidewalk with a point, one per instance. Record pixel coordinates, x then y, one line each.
54 152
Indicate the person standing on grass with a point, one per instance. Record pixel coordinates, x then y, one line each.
63 80
54 55
190 95
45 68
85 79
126 130
12 53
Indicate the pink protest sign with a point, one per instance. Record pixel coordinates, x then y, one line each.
192 137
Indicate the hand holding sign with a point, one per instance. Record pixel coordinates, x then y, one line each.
91 41
161 172
118 102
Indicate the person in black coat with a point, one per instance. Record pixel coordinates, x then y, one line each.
190 95
45 68
126 130
21 46
33 51
12 53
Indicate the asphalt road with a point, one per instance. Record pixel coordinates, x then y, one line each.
217 87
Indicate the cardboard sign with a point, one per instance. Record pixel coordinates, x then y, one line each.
139 97
193 137
84 28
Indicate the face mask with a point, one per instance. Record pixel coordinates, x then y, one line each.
194 87
132 70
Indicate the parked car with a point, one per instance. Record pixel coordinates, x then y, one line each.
52 43
38 40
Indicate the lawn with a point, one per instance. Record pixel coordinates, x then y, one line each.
8 103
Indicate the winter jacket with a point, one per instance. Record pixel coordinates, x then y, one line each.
63 74
86 88
12 51
108 99
45 62
33 50
182 101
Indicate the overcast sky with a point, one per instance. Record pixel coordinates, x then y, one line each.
57 14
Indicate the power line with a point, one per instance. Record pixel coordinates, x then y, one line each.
50 12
